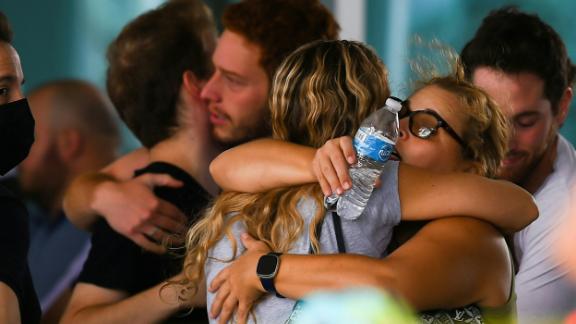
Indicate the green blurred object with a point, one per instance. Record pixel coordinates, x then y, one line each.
357 305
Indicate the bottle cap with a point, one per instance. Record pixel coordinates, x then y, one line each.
394 104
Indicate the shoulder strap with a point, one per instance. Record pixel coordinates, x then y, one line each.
337 231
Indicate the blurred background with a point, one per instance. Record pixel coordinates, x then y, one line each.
68 38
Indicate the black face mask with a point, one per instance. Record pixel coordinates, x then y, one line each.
16 133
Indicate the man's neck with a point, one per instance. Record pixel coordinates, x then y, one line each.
542 169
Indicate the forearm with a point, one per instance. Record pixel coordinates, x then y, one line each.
262 165
79 198
426 195
80 195
465 262
149 306
303 274
9 311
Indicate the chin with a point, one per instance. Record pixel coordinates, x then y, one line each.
516 174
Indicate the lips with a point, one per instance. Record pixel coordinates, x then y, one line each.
217 118
394 156
513 157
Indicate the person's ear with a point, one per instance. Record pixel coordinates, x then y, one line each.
70 144
191 84
563 106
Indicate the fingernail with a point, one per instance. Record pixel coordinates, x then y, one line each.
346 185
350 159
339 191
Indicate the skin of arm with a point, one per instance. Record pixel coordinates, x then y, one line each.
128 204
79 194
424 195
9 311
94 304
428 195
466 261
261 165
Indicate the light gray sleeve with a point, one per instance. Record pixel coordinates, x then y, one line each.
385 201
370 234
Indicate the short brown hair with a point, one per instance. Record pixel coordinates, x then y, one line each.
513 41
147 61
279 27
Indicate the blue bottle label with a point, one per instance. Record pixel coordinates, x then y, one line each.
377 148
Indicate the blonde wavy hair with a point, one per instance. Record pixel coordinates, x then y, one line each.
486 129
321 91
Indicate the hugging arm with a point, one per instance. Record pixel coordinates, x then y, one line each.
128 204
261 165
94 304
79 196
424 195
466 261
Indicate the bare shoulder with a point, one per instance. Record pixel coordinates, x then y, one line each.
484 247
123 168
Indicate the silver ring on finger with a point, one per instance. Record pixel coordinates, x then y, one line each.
153 231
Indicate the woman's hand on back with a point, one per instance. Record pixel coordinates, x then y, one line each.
237 287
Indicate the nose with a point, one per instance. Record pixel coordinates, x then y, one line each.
403 129
210 91
513 138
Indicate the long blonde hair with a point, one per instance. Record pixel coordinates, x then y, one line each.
321 91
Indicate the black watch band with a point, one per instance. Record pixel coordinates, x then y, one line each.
267 269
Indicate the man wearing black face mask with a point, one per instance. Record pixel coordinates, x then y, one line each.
18 301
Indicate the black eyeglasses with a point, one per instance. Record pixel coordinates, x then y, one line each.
425 123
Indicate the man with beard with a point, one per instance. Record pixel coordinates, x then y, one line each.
522 63
258 35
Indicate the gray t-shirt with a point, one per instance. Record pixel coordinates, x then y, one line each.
368 235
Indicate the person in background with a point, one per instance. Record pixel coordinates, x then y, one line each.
522 63
258 35
76 132
157 67
565 247
18 300
449 127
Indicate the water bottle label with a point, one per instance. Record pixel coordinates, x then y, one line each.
375 147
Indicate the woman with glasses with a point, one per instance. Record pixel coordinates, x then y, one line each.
324 90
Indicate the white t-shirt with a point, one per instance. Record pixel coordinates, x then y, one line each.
544 291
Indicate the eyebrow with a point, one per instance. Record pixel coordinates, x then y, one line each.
8 78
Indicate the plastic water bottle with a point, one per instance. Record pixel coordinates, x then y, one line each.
374 142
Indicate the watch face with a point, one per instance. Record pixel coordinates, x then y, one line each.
267 265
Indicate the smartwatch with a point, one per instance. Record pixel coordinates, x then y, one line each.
267 269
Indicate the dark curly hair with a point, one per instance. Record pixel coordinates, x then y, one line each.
280 26
513 41
5 30
147 61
